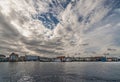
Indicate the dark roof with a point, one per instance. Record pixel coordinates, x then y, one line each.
2 55
13 54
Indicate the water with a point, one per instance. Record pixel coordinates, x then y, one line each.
60 72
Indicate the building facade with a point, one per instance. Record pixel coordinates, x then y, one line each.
13 57
2 58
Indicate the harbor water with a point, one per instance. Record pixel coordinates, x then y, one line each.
59 72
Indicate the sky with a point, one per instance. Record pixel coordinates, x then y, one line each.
60 27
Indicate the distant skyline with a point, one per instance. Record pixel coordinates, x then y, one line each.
60 27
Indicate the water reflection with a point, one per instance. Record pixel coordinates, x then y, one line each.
26 79
59 72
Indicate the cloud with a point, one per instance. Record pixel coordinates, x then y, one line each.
24 27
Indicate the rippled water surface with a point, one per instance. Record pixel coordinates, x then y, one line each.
60 72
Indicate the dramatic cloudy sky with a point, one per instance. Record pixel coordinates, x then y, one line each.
60 27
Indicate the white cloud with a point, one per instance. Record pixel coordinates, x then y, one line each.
80 23
118 24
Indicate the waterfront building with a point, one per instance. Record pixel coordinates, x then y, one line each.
57 60
82 59
110 59
45 59
103 59
88 59
2 58
60 58
13 57
31 58
68 59
75 58
22 58
99 58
